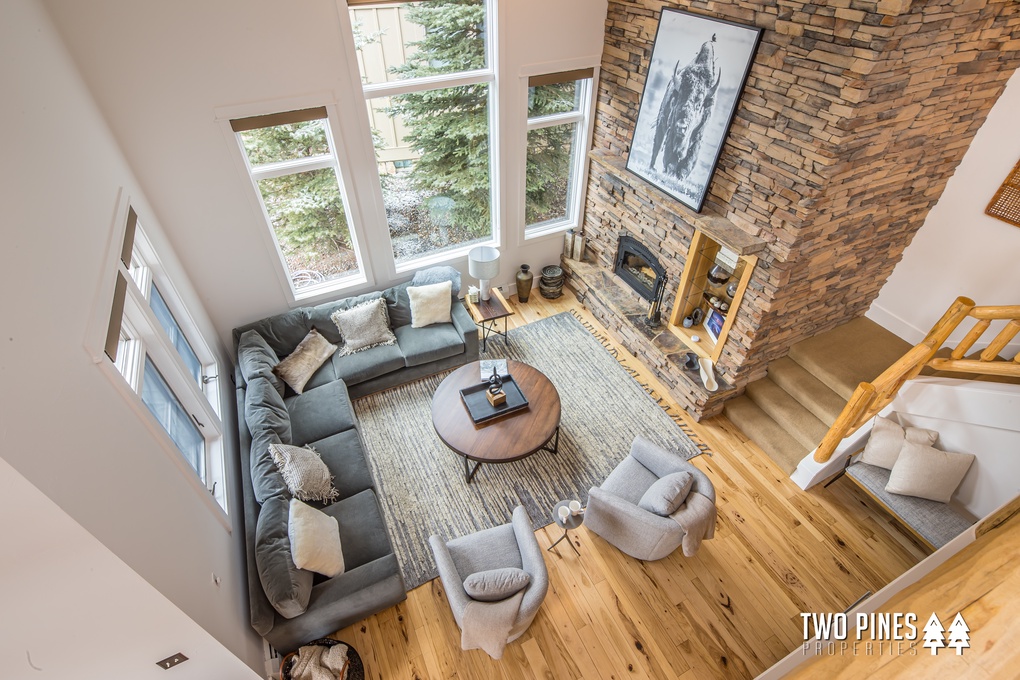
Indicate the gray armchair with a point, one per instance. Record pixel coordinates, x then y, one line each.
613 512
508 545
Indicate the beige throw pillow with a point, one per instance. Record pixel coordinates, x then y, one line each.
430 304
928 473
311 353
307 477
315 540
364 326
887 438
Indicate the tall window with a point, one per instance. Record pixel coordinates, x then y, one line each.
293 162
154 345
428 75
558 106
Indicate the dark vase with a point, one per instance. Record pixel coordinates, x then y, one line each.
524 280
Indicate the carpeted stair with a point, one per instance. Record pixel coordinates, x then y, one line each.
788 412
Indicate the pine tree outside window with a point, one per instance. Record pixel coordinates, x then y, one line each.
427 72
558 105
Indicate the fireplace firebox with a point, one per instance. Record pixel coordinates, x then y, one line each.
636 265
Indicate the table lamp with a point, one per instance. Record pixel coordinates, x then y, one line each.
483 264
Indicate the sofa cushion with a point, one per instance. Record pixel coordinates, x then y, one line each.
430 304
255 357
398 305
320 316
283 332
315 540
364 326
432 343
266 479
425 277
344 455
494 585
887 438
925 472
264 408
311 353
287 588
326 374
667 493
362 528
319 413
306 475
362 366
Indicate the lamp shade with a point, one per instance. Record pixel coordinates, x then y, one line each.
483 263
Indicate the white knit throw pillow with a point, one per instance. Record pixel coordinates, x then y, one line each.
307 477
314 540
430 304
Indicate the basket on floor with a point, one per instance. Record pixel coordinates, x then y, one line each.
355 669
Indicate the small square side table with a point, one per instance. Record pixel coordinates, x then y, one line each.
486 313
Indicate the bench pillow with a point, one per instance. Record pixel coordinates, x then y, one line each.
925 472
887 438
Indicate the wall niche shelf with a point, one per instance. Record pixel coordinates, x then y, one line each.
719 266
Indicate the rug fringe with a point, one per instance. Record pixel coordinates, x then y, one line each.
610 348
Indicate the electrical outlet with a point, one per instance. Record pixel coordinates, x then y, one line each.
172 661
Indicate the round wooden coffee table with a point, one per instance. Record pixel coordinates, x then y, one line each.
515 436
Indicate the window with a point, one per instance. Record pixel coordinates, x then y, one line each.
154 345
293 162
428 76
558 106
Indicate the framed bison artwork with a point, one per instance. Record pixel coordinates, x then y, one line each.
697 71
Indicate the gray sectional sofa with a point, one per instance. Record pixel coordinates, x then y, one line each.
323 416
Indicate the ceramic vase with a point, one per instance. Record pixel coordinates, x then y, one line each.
524 281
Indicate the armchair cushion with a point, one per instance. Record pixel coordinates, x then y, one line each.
667 494
496 584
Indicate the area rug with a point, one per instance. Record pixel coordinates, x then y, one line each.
421 483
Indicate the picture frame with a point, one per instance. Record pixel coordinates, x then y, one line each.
713 324
696 74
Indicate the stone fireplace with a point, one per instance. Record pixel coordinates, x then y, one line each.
852 120
639 268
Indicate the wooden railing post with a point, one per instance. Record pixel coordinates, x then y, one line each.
848 418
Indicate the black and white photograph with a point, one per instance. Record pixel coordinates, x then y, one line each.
697 72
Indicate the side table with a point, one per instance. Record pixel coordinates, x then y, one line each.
486 313
572 522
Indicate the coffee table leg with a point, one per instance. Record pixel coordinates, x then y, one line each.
555 439
468 476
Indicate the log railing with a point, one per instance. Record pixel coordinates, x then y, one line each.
870 398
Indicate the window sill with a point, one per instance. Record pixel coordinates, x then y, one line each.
550 229
444 257
326 290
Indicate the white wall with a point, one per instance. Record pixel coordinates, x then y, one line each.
64 425
72 609
959 250
160 70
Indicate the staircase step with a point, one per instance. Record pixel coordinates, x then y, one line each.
811 392
780 446
788 413
846 356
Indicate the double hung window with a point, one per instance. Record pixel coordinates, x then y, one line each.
293 162
428 78
558 110
156 348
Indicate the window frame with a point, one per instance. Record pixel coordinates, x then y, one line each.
125 329
582 118
437 82
336 161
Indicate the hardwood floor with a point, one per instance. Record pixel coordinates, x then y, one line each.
730 612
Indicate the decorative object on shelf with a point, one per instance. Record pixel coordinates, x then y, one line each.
718 274
688 322
713 324
697 315
708 375
472 294
524 281
577 252
483 264
1005 204
691 361
731 290
696 73
568 244
695 338
551 283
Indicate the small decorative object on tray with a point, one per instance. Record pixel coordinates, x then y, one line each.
476 400
495 393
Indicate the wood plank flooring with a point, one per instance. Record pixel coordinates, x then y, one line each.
730 612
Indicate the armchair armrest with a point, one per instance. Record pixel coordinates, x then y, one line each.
657 459
532 561
451 578
635 531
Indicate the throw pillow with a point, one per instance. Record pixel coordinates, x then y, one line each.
287 587
307 477
925 472
436 275
667 493
496 584
264 409
255 357
311 353
364 326
315 540
430 304
887 438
